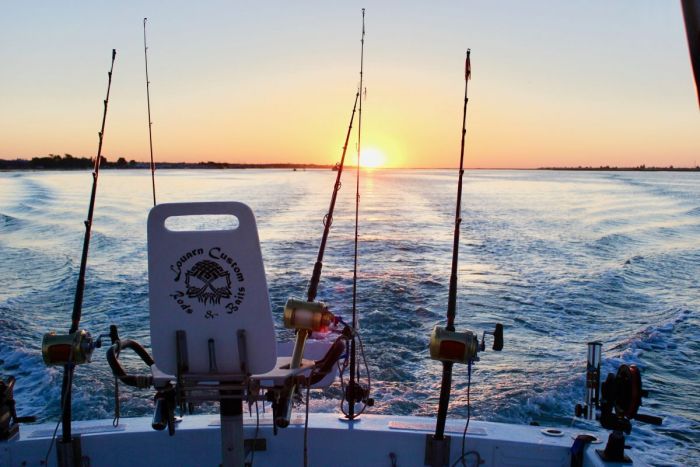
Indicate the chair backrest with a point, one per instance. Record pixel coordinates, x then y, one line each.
210 284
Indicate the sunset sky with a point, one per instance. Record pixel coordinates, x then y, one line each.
554 83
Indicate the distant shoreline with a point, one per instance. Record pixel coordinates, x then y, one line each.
625 169
68 162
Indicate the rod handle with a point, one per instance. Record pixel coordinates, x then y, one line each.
160 415
498 337
651 419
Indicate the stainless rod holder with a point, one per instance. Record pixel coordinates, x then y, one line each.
593 380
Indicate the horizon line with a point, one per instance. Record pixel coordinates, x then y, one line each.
133 164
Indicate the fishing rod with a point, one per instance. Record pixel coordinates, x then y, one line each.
328 218
76 347
446 344
294 310
350 395
150 123
308 316
302 334
452 295
78 303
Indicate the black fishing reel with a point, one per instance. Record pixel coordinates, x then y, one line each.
620 401
614 404
621 398
9 421
358 394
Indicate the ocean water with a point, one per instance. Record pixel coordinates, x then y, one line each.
560 258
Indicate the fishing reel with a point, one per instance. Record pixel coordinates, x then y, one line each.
621 398
614 403
461 347
304 317
358 393
9 421
68 349
307 316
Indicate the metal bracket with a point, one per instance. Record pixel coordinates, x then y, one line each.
228 388
69 453
242 351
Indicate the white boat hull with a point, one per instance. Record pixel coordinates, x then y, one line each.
331 442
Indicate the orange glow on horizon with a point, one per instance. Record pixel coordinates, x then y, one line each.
532 100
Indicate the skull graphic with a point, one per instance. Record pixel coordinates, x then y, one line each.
208 282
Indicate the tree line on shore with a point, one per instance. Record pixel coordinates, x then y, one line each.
65 162
642 167
69 162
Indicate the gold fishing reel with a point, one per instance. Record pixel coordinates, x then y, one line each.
309 316
453 346
461 347
65 349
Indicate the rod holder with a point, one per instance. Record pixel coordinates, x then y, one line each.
593 379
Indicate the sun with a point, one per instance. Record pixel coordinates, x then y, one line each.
371 158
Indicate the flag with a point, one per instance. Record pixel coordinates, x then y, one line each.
467 69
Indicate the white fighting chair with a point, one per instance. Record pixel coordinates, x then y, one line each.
211 322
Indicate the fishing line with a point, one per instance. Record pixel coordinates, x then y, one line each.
150 123
466 426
